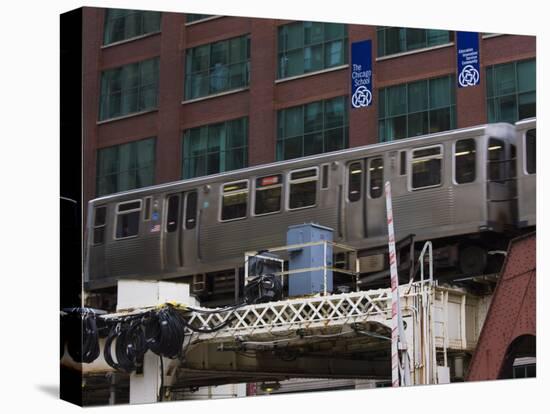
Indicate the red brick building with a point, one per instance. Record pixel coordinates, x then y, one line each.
152 81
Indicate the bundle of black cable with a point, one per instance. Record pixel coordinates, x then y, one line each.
165 332
130 346
79 331
262 289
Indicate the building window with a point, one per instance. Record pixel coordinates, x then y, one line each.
302 191
416 108
122 24
127 166
217 67
465 161
189 18
313 128
129 89
311 46
215 148
426 167
234 200
393 40
511 91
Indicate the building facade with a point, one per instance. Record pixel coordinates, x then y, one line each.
169 96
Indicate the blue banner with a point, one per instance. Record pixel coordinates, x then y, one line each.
467 59
361 74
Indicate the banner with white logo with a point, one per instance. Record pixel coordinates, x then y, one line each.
467 55
361 74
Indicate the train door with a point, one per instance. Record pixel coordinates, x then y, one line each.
189 237
173 257
499 182
180 245
354 216
375 211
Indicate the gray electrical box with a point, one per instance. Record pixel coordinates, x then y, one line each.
309 282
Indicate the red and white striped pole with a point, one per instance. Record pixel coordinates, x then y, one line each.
395 308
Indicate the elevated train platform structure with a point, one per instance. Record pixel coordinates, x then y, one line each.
345 335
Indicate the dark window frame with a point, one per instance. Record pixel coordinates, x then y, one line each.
101 226
384 117
142 14
296 181
206 152
412 160
493 98
324 130
381 35
148 208
283 50
191 75
192 220
526 163
351 173
171 215
455 164
111 86
325 176
119 213
380 190
191 18
227 193
257 189
104 175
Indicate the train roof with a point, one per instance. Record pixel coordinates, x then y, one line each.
320 158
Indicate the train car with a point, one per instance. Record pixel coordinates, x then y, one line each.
452 188
526 172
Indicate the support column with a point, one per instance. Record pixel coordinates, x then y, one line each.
262 124
144 387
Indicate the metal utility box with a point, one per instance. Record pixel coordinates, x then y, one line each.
312 281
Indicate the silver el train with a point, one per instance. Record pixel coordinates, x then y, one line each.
467 190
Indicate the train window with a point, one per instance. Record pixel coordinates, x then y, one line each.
268 194
376 177
403 163
513 155
127 219
147 210
302 188
496 159
234 200
191 210
324 179
465 161
99 224
355 175
130 205
426 167
531 151
173 213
